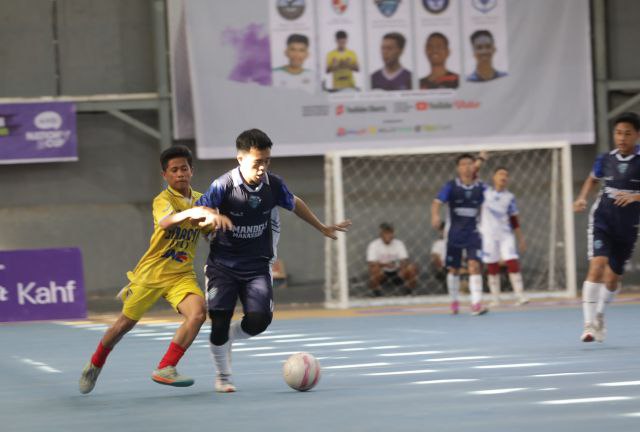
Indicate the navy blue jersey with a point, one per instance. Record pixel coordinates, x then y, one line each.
464 209
250 244
618 174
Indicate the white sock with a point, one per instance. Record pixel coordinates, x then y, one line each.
453 285
475 287
516 284
220 355
236 332
494 286
590 295
605 297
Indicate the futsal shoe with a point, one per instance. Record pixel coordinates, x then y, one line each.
600 331
169 376
588 333
522 300
89 377
478 309
224 384
455 307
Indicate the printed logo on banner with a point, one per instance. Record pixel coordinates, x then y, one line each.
339 6
291 9
4 130
49 133
387 7
435 6
484 6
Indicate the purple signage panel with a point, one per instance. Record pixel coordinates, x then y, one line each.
41 284
38 132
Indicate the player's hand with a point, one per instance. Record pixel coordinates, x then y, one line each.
330 231
579 205
522 245
220 222
435 223
623 199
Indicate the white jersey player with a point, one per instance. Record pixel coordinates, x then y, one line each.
499 227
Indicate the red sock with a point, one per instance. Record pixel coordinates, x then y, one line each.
100 356
172 356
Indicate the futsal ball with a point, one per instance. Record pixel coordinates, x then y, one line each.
301 371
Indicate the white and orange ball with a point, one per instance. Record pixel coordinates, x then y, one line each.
301 371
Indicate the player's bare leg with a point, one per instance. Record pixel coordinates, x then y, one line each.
591 289
475 288
375 279
111 337
453 286
193 310
409 274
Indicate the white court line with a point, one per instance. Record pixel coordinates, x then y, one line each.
562 374
154 334
333 343
141 331
448 359
371 348
548 389
311 339
446 381
507 366
41 366
415 353
354 366
407 372
330 358
585 400
278 336
275 354
498 391
635 414
162 338
252 349
619 384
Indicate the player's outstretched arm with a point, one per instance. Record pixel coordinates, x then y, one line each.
203 216
580 204
435 214
304 212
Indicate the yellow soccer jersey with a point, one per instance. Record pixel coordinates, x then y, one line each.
343 75
170 254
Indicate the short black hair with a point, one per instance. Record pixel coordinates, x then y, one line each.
386 226
253 138
479 33
628 117
177 151
297 38
464 156
397 37
499 168
341 34
438 35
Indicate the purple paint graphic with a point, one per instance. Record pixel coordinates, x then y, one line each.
253 57
38 132
41 284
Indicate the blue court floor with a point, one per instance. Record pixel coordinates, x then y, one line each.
517 370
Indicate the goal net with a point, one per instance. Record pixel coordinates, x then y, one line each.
397 186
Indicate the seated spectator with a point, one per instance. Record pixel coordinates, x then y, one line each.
389 261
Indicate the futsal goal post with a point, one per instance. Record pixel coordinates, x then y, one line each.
397 186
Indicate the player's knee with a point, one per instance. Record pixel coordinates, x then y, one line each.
198 317
220 322
513 266
474 267
254 323
493 269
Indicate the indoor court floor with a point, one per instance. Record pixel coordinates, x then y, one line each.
511 370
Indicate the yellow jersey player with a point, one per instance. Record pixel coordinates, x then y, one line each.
165 270
342 63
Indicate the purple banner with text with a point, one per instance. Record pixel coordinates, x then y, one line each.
41 284
38 132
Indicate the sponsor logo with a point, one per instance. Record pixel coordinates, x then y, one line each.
597 244
339 110
254 201
237 214
622 168
249 231
315 110
31 293
387 7
179 256
4 130
3 294
360 109
484 6
465 211
339 6
48 120
435 6
467 194
422 106
291 9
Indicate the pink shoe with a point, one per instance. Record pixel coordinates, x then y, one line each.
478 309
455 307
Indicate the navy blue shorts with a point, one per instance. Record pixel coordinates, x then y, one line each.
473 247
601 243
225 286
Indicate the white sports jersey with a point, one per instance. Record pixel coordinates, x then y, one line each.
496 210
302 81
394 252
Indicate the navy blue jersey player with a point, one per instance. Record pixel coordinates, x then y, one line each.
464 196
613 222
238 266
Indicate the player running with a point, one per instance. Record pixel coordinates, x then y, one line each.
464 195
498 224
238 266
165 270
613 222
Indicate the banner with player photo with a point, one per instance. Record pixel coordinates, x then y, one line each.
38 132
351 74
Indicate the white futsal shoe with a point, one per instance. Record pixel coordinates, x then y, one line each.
588 335
88 378
600 331
224 384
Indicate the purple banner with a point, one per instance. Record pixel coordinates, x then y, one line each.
41 284
38 132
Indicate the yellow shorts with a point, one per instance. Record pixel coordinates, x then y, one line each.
138 299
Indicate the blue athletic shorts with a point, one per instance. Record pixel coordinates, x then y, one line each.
472 245
225 286
601 243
